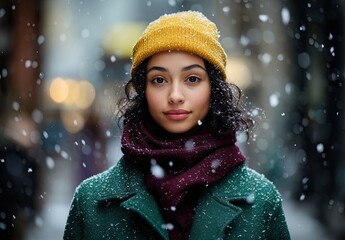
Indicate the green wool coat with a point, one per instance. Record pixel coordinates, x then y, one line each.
116 205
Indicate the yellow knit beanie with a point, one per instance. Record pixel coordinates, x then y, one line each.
188 31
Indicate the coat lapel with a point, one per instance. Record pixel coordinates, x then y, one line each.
211 218
216 209
144 204
126 184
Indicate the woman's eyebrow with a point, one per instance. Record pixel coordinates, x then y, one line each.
157 68
187 68
193 66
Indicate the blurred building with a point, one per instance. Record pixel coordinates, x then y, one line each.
63 65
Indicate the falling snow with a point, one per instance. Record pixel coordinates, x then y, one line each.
320 148
274 99
156 170
291 52
189 145
285 14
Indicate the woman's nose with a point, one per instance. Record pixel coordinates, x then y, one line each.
176 94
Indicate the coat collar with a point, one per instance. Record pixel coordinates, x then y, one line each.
216 208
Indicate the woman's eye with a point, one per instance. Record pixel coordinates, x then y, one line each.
193 79
158 80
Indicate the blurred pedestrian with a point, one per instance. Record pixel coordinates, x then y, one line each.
181 176
19 173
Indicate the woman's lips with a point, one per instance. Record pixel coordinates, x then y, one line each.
177 115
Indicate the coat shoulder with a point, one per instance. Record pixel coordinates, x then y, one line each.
118 179
96 181
246 183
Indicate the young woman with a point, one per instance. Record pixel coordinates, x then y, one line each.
181 176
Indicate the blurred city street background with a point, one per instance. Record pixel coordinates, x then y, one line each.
62 69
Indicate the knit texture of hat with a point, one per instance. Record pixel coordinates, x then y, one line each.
188 31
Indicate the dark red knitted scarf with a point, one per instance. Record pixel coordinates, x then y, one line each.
177 167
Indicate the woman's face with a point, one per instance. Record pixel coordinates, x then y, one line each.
178 90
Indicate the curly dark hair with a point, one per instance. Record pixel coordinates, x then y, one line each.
226 113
